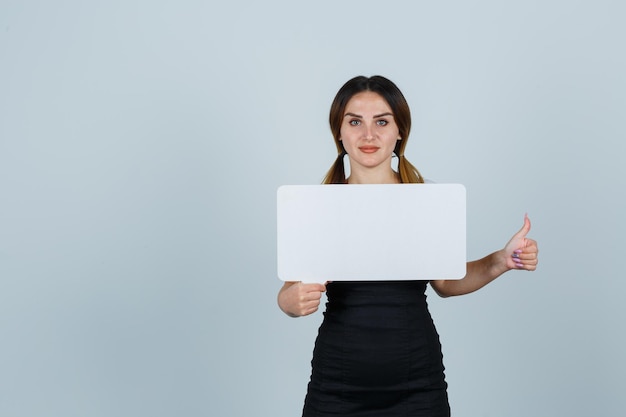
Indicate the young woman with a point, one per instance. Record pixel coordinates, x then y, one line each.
377 352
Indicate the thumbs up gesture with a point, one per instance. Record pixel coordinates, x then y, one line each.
521 252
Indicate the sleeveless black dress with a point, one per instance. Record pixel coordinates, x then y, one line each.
377 353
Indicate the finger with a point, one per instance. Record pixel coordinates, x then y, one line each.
312 296
530 254
525 228
308 311
525 255
531 246
529 265
310 307
314 287
308 297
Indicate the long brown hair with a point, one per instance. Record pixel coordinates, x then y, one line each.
401 113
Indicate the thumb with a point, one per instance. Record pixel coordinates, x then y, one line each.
316 286
525 228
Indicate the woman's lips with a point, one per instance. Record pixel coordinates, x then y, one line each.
368 149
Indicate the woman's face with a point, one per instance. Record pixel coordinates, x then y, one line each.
368 131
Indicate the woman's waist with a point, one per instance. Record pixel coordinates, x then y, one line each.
379 294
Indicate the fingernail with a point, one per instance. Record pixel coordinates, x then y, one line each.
515 255
518 251
519 265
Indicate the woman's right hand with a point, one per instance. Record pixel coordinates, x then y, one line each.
298 299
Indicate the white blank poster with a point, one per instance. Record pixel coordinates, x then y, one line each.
371 232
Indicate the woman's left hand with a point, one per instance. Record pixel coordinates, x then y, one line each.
521 252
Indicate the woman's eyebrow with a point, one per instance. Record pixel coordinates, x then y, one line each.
376 116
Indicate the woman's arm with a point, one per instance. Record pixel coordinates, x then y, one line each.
297 299
519 253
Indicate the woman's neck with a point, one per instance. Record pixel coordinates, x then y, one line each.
388 176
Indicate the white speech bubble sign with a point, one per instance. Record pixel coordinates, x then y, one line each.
371 232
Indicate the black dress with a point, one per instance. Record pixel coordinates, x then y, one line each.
377 353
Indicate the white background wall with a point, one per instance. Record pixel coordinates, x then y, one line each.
141 145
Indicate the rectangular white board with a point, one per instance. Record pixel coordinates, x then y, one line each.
371 232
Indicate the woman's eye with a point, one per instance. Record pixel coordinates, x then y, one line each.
382 122
355 122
